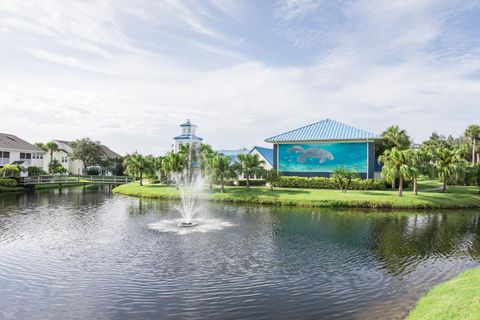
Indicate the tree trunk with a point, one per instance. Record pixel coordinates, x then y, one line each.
222 190
248 181
473 151
415 188
51 160
393 184
444 185
141 178
400 186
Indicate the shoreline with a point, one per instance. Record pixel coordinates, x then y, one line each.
455 198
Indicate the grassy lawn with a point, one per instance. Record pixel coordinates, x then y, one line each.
455 197
458 298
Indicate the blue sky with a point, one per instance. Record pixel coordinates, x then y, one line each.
129 72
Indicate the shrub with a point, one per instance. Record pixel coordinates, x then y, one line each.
35 171
10 170
93 171
7 182
329 183
243 183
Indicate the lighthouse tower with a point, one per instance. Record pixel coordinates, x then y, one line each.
188 136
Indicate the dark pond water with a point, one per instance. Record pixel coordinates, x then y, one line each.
93 255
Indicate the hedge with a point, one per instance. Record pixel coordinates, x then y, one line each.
329 183
243 183
7 182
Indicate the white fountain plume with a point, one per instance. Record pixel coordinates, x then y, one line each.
191 184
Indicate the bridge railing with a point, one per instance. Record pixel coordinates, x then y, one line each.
74 179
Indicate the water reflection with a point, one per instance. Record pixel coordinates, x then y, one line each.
85 253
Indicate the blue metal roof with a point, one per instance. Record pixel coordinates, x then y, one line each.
324 130
266 153
187 137
233 154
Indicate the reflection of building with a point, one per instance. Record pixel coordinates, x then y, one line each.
319 148
75 167
14 150
187 136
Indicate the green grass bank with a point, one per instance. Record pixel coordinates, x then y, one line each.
455 197
458 298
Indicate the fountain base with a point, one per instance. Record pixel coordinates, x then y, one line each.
187 224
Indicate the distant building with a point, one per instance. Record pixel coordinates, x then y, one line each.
264 154
188 136
75 167
320 148
14 150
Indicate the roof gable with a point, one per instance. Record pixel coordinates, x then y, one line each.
324 130
266 153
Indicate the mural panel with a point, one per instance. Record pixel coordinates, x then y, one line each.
322 157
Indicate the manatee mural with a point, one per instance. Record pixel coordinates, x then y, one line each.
322 157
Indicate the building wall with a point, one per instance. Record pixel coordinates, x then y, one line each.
36 157
266 165
74 167
323 157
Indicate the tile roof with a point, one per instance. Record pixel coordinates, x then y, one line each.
324 130
10 141
266 153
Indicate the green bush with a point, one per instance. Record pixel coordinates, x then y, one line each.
329 183
35 171
243 183
6 182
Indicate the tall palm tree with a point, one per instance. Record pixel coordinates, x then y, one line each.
138 165
249 164
222 168
395 166
418 163
173 164
393 136
449 164
473 132
51 147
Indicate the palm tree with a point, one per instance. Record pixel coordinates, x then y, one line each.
395 166
473 132
173 165
222 168
249 164
418 162
138 165
393 136
51 147
448 164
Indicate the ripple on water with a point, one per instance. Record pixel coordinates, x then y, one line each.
203 226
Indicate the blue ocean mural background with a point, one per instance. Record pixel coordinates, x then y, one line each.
322 157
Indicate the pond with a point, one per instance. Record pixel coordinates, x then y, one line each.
89 254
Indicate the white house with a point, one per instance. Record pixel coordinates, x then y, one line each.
188 135
74 167
264 154
14 150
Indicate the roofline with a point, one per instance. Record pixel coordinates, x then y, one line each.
327 119
322 140
15 149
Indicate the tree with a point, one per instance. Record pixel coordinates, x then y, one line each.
473 132
56 167
51 147
448 164
138 165
394 137
88 151
249 164
344 178
222 169
475 173
395 166
272 177
418 162
173 165
10 170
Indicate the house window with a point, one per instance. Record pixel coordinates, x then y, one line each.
4 154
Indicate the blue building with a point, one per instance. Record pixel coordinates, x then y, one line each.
319 148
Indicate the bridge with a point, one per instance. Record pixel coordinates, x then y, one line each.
73 180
